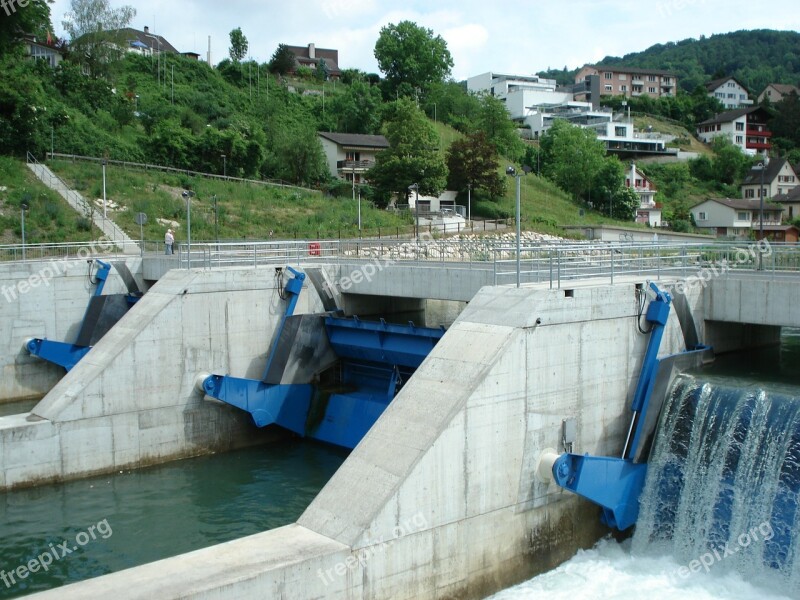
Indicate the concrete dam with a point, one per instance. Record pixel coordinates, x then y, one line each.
441 498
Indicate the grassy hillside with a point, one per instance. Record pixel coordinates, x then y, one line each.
49 218
244 211
683 140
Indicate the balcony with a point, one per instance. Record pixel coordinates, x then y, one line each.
757 133
637 81
758 145
354 165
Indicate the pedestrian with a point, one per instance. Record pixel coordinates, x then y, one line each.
169 240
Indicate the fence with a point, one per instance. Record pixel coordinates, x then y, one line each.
555 263
149 167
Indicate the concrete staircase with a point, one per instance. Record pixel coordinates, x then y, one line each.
111 231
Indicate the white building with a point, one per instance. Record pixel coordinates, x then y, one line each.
777 178
744 127
735 218
621 138
729 92
649 210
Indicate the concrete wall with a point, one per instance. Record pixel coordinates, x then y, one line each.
439 500
44 300
131 401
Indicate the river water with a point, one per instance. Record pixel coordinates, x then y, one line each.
637 569
134 517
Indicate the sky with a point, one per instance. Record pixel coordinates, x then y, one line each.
515 37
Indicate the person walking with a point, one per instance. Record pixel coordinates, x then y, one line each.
169 240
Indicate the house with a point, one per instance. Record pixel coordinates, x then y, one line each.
628 81
744 127
649 212
310 56
143 42
790 201
777 92
736 218
730 92
46 51
779 178
621 138
351 155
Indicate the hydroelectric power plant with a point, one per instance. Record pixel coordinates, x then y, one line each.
542 417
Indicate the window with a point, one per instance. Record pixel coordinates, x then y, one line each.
623 77
619 131
609 88
739 139
743 216
608 75
701 216
652 78
750 193
719 94
739 126
666 79
652 90
623 88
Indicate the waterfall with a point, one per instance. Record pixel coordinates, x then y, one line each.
723 481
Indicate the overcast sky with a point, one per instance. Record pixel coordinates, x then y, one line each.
519 37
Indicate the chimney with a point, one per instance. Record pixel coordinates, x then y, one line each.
312 51
146 29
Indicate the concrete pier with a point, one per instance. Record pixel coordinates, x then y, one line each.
440 500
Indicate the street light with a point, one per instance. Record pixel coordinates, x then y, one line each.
762 167
224 165
104 189
469 202
23 208
216 229
415 188
359 211
188 195
512 172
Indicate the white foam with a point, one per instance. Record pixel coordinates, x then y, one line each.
609 572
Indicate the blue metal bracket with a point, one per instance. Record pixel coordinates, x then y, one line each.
615 484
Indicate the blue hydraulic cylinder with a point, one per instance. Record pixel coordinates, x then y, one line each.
615 484
101 276
59 353
292 289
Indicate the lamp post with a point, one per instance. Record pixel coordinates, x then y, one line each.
136 98
469 202
762 167
104 188
512 172
415 188
23 207
188 195
359 211
224 165
216 219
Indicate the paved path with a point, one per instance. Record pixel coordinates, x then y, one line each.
111 230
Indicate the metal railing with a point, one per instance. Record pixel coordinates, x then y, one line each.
553 262
559 264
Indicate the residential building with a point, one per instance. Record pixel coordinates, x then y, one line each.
790 202
777 92
43 51
310 56
623 140
351 155
649 211
736 218
145 43
744 127
630 81
730 92
779 178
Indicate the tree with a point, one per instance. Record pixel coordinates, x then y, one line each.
500 130
572 157
411 57
413 155
321 72
730 163
33 19
357 108
473 161
95 36
282 61
239 45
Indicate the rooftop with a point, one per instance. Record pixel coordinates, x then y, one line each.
355 139
771 171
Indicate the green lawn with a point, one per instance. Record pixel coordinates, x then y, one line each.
49 219
244 211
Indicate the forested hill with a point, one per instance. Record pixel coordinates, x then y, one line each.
756 58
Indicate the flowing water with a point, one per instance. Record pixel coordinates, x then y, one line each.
134 517
721 503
